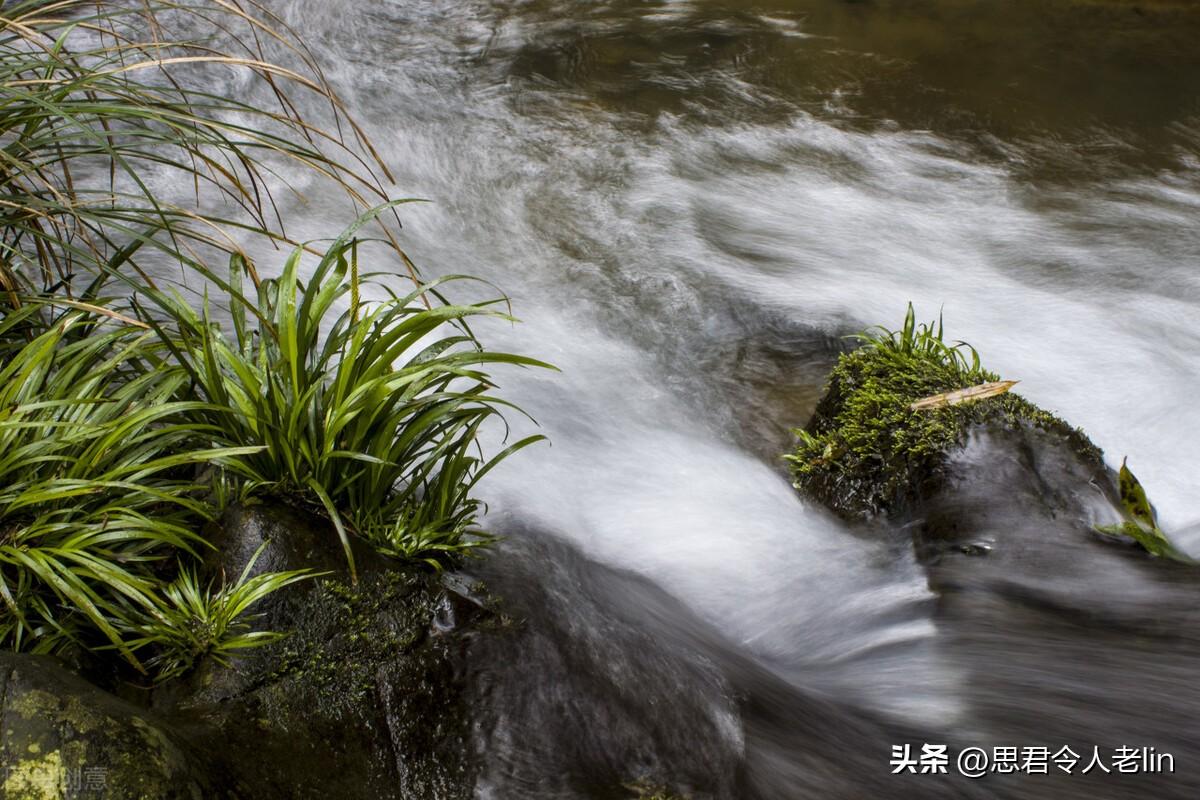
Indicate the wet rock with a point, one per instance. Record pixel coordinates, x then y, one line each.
61 737
596 684
995 492
362 699
866 452
290 538
604 686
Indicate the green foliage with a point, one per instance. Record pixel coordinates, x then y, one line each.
1140 523
368 410
94 502
1133 498
192 620
922 343
865 444
371 412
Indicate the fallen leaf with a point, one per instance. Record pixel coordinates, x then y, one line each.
1133 497
990 389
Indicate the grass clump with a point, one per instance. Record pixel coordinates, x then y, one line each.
368 411
193 619
116 435
106 104
97 502
123 425
865 450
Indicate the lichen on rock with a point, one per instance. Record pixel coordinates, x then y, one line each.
61 737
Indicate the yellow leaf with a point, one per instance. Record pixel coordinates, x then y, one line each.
990 389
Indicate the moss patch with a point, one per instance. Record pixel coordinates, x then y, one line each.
350 632
363 699
865 451
62 737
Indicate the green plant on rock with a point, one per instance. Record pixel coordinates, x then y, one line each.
120 423
96 501
192 620
922 343
865 444
370 411
1141 523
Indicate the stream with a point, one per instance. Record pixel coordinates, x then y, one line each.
690 203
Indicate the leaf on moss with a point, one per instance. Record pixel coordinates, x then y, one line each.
983 390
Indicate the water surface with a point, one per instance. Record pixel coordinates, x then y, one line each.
689 204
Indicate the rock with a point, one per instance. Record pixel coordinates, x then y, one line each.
363 698
995 492
61 737
607 686
597 684
865 451
295 540
1016 510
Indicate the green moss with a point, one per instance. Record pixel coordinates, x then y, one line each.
55 735
865 451
353 630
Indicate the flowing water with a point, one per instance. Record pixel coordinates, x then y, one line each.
689 202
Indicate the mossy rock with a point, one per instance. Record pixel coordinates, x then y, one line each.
62 738
914 430
865 451
363 698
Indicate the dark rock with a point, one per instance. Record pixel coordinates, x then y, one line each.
596 685
996 493
363 698
293 538
61 737
606 687
1012 478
